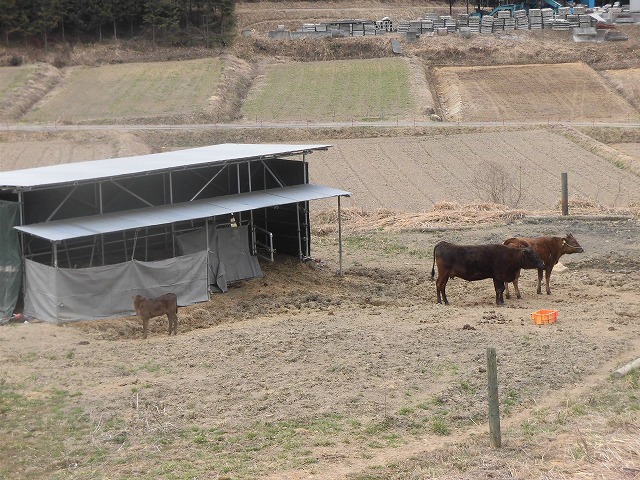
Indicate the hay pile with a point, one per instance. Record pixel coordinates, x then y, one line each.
446 215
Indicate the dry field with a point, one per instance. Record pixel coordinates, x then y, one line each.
305 374
563 92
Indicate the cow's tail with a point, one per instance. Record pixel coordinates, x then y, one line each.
433 267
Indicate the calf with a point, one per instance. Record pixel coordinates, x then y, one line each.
147 308
476 262
549 249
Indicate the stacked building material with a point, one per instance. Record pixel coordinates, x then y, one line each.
403 26
504 14
547 17
584 20
426 26
535 19
486 24
573 20
474 24
560 24
509 23
522 20
450 23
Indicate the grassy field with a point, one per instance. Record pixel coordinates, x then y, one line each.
335 90
13 77
143 90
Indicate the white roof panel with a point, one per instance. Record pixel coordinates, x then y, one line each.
116 167
59 230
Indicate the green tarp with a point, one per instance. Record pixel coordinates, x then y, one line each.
10 258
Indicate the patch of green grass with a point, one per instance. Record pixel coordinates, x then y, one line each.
135 90
439 426
334 91
39 430
12 78
510 401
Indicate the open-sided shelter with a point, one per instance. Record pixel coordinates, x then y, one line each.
83 238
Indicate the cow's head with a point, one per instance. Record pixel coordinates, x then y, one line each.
571 245
137 300
530 259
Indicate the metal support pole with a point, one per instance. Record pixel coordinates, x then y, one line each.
100 210
173 233
340 234
206 233
300 256
55 254
494 407
565 194
22 246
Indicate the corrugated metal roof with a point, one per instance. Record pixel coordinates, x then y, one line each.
116 167
59 230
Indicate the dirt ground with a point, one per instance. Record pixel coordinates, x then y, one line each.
303 342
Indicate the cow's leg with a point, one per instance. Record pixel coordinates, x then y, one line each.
173 324
441 283
145 326
515 285
547 274
539 291
499 286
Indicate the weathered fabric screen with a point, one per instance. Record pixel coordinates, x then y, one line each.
70 294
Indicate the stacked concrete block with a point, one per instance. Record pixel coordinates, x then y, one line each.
486 24
584 20
547 17
560 24
474 24
450 23
535 19
573 20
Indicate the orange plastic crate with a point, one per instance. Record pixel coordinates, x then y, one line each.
542 317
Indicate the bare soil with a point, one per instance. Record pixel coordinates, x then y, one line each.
371 345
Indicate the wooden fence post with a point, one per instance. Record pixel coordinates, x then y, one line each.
565 194
494 407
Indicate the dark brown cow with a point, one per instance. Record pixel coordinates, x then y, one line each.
147 308
477 262
549 249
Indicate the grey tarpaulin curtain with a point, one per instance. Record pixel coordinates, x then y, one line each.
67 294
229 259
10 258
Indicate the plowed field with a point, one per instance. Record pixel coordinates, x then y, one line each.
564 92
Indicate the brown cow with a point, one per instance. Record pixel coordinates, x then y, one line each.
477 262
147 308
549 249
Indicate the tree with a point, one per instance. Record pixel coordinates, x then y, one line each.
160 15
47 15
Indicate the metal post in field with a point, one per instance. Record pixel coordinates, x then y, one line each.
565 194
494 407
